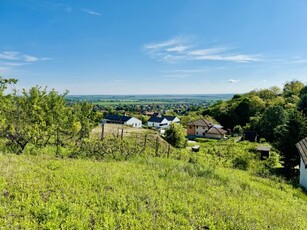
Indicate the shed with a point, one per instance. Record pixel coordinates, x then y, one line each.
195 148
264 151
302 149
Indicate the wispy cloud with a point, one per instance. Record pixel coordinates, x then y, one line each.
91 12
12 59
17 56
62 6
233 81
179 76
180 48
185 71
298 60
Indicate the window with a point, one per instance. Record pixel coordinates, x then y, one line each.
190 127
196 133
197 127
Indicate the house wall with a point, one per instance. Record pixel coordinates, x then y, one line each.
191 130
157 124
200 130
303 175
134 122
215 136
152 124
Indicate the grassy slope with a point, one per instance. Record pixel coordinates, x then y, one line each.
142 193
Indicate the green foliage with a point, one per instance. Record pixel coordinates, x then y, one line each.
292 88
142 193
40 118
288 135
271 119
175 135
302 104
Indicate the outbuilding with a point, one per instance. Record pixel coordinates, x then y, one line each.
264 151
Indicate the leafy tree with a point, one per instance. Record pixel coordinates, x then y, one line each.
303 91
175 135
302 104
243 111
292 88
272 117
288 135
86 116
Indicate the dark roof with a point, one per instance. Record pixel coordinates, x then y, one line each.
302 149
263 148
114 117
200 122
214 130
170 118
155 119
156 114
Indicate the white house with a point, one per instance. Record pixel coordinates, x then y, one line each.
158 122
172 119
162 122
126 120
302 149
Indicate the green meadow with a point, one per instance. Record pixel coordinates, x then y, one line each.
144 192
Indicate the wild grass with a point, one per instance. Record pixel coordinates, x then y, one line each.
41 192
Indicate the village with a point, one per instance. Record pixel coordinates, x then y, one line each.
202 128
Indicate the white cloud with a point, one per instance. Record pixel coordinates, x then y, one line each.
29 58
186 71
169 43
231 58
177 48
12 59
180 48
179 76
9 55
233 81
91 12
209 51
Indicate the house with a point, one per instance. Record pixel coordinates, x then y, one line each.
172 119
204 128
126 120
161 121
216 133
302 149
158 122
198 128
264 151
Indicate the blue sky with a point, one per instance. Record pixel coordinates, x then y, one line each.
153 46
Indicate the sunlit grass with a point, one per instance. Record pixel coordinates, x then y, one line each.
142 193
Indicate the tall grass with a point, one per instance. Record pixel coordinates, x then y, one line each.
40 192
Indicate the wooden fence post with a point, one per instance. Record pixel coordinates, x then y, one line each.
157 146
145 141
102 130
122 134
168 151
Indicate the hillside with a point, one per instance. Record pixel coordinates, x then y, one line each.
142 193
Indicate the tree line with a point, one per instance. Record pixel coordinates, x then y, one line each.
278 115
